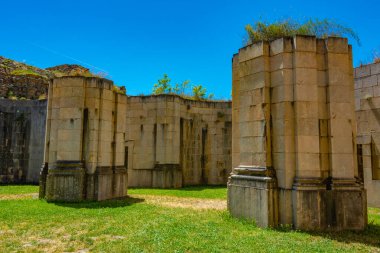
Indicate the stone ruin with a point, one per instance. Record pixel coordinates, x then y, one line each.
294 129
295 156
96 136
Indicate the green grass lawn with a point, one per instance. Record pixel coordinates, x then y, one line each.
132 225
18 189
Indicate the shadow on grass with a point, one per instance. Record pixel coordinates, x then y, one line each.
370 236
114 203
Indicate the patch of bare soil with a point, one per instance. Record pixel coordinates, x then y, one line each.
18 196
193 203
374 211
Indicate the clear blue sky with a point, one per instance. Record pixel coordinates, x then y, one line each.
136 41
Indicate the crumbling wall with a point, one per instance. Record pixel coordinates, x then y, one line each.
367 106
173 141
30 87
22 132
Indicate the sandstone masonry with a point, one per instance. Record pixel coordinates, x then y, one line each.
173 142
293 144
367 106
84 150
95 134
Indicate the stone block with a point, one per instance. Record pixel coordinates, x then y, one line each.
282 93
306 93
281 77
342 110
342 165
338 77
253 51
305 60
341 145
337 45
305 77
281 46
306 109
254 81
340 94
281 62
362 71
304 44
70 113
307 127
369 81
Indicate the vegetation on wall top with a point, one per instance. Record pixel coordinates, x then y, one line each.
321 28
198 92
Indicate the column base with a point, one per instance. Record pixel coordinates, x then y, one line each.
332 204
67 181
253 195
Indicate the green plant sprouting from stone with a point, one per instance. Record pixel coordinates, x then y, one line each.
376 57
321 28
198 92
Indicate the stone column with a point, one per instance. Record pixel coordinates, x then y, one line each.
252 185
299 139
85 140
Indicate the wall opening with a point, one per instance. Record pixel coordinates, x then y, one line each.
204 178
126 158
359 148
375 161
85 133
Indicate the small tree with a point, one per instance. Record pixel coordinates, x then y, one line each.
199 92
180 88
163 86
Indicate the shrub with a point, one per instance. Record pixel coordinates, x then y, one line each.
23 72
163 86
321 28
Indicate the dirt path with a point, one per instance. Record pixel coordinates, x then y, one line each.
18 196
194 203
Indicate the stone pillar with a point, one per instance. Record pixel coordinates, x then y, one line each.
167 172
296 130
253 185
85 140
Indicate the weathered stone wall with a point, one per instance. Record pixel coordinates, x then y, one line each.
30 87
22 135
173 141
294 132
367 106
